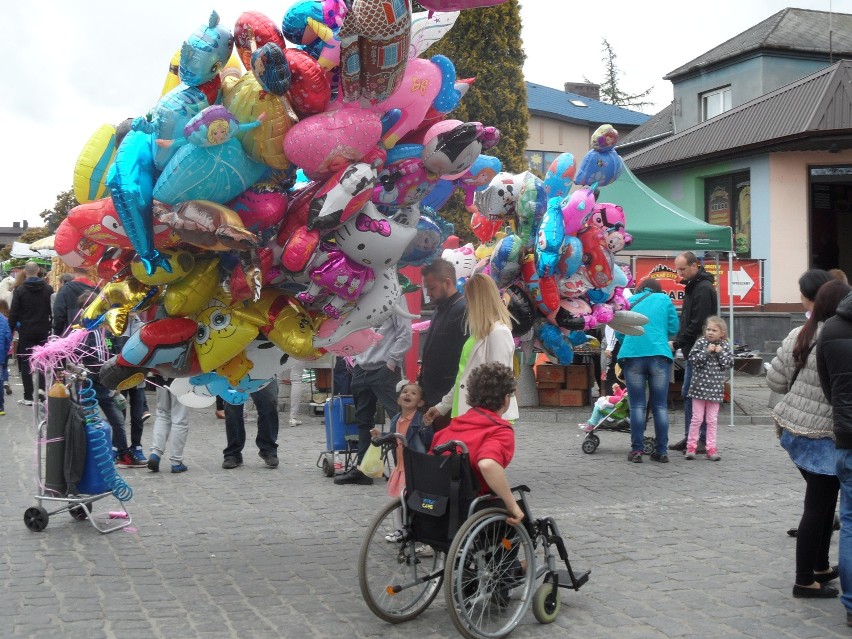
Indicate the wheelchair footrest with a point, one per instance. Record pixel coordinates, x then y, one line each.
565 579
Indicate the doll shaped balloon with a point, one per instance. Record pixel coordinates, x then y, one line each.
601 165
463 260
211 163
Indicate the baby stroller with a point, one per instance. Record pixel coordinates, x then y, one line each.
614 417
454 537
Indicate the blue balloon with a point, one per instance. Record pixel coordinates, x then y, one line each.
600 168
439 195
572 256
131 181
560 175
205 52
432 232
555 343
551 234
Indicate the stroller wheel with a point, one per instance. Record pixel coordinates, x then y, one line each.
590 444
649 445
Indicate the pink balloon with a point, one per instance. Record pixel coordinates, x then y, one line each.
351 344
261 206
326 142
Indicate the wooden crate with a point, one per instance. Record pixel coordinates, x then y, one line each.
548 396
568 397
549 374
578 377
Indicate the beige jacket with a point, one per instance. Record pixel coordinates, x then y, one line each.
803 410
497 347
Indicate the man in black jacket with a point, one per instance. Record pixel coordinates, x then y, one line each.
30 316
834 365
65 306
699 302
447 333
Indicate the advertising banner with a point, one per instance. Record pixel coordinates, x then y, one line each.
744 281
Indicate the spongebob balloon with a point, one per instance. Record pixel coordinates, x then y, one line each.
223 331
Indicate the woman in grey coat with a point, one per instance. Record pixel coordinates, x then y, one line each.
803 421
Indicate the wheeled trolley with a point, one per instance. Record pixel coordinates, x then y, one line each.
68 428
450 536
341 436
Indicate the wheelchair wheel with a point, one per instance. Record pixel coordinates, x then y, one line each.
490 575
395 581
546 603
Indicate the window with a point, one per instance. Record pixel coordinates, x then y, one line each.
389 55
728 203
578 103
715 102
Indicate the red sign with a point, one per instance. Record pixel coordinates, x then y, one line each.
745 280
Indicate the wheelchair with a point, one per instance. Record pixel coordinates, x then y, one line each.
453 537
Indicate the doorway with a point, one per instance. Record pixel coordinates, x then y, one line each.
830 233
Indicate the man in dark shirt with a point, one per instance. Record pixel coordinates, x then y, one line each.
446 336
699 302
30 315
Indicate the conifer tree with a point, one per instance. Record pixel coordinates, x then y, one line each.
486 44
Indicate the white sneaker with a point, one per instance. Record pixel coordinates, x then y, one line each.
294 422
422 550
25 402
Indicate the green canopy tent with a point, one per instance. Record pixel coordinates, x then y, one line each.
658 225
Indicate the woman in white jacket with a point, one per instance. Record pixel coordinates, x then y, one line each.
804 425
489 325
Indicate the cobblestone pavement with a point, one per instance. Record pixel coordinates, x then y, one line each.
687 549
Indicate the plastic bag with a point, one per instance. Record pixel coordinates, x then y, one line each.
372 464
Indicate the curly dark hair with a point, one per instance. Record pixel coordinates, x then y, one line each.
489 384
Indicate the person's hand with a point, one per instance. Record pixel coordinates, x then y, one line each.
431 415
391 366
672 345
608 353
375 432
516 515
711 348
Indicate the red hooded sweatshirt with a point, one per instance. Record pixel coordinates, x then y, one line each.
487 436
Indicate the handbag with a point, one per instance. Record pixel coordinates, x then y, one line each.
372 464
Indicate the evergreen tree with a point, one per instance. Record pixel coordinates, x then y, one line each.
486 44
610 88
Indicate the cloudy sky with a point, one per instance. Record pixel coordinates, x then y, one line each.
77 64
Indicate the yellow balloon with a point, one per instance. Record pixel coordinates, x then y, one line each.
236 368
172 78
115 302
116 319
92 165
289 326
247 99
188 295
181 262
223 333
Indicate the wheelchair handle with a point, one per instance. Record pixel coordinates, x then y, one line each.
387 439
450 445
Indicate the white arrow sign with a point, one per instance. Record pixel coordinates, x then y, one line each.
740 283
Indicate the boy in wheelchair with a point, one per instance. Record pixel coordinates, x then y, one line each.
490 439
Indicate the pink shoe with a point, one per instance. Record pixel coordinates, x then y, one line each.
712 455
690 453
586 427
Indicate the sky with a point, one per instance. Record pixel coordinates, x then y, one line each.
78 64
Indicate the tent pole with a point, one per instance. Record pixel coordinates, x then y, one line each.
731 314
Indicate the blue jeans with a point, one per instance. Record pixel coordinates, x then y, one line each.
266 402
113 415
843 460
653 372
687 404
370 387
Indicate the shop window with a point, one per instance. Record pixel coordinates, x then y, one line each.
727 201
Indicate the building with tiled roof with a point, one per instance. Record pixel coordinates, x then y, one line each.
564 120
